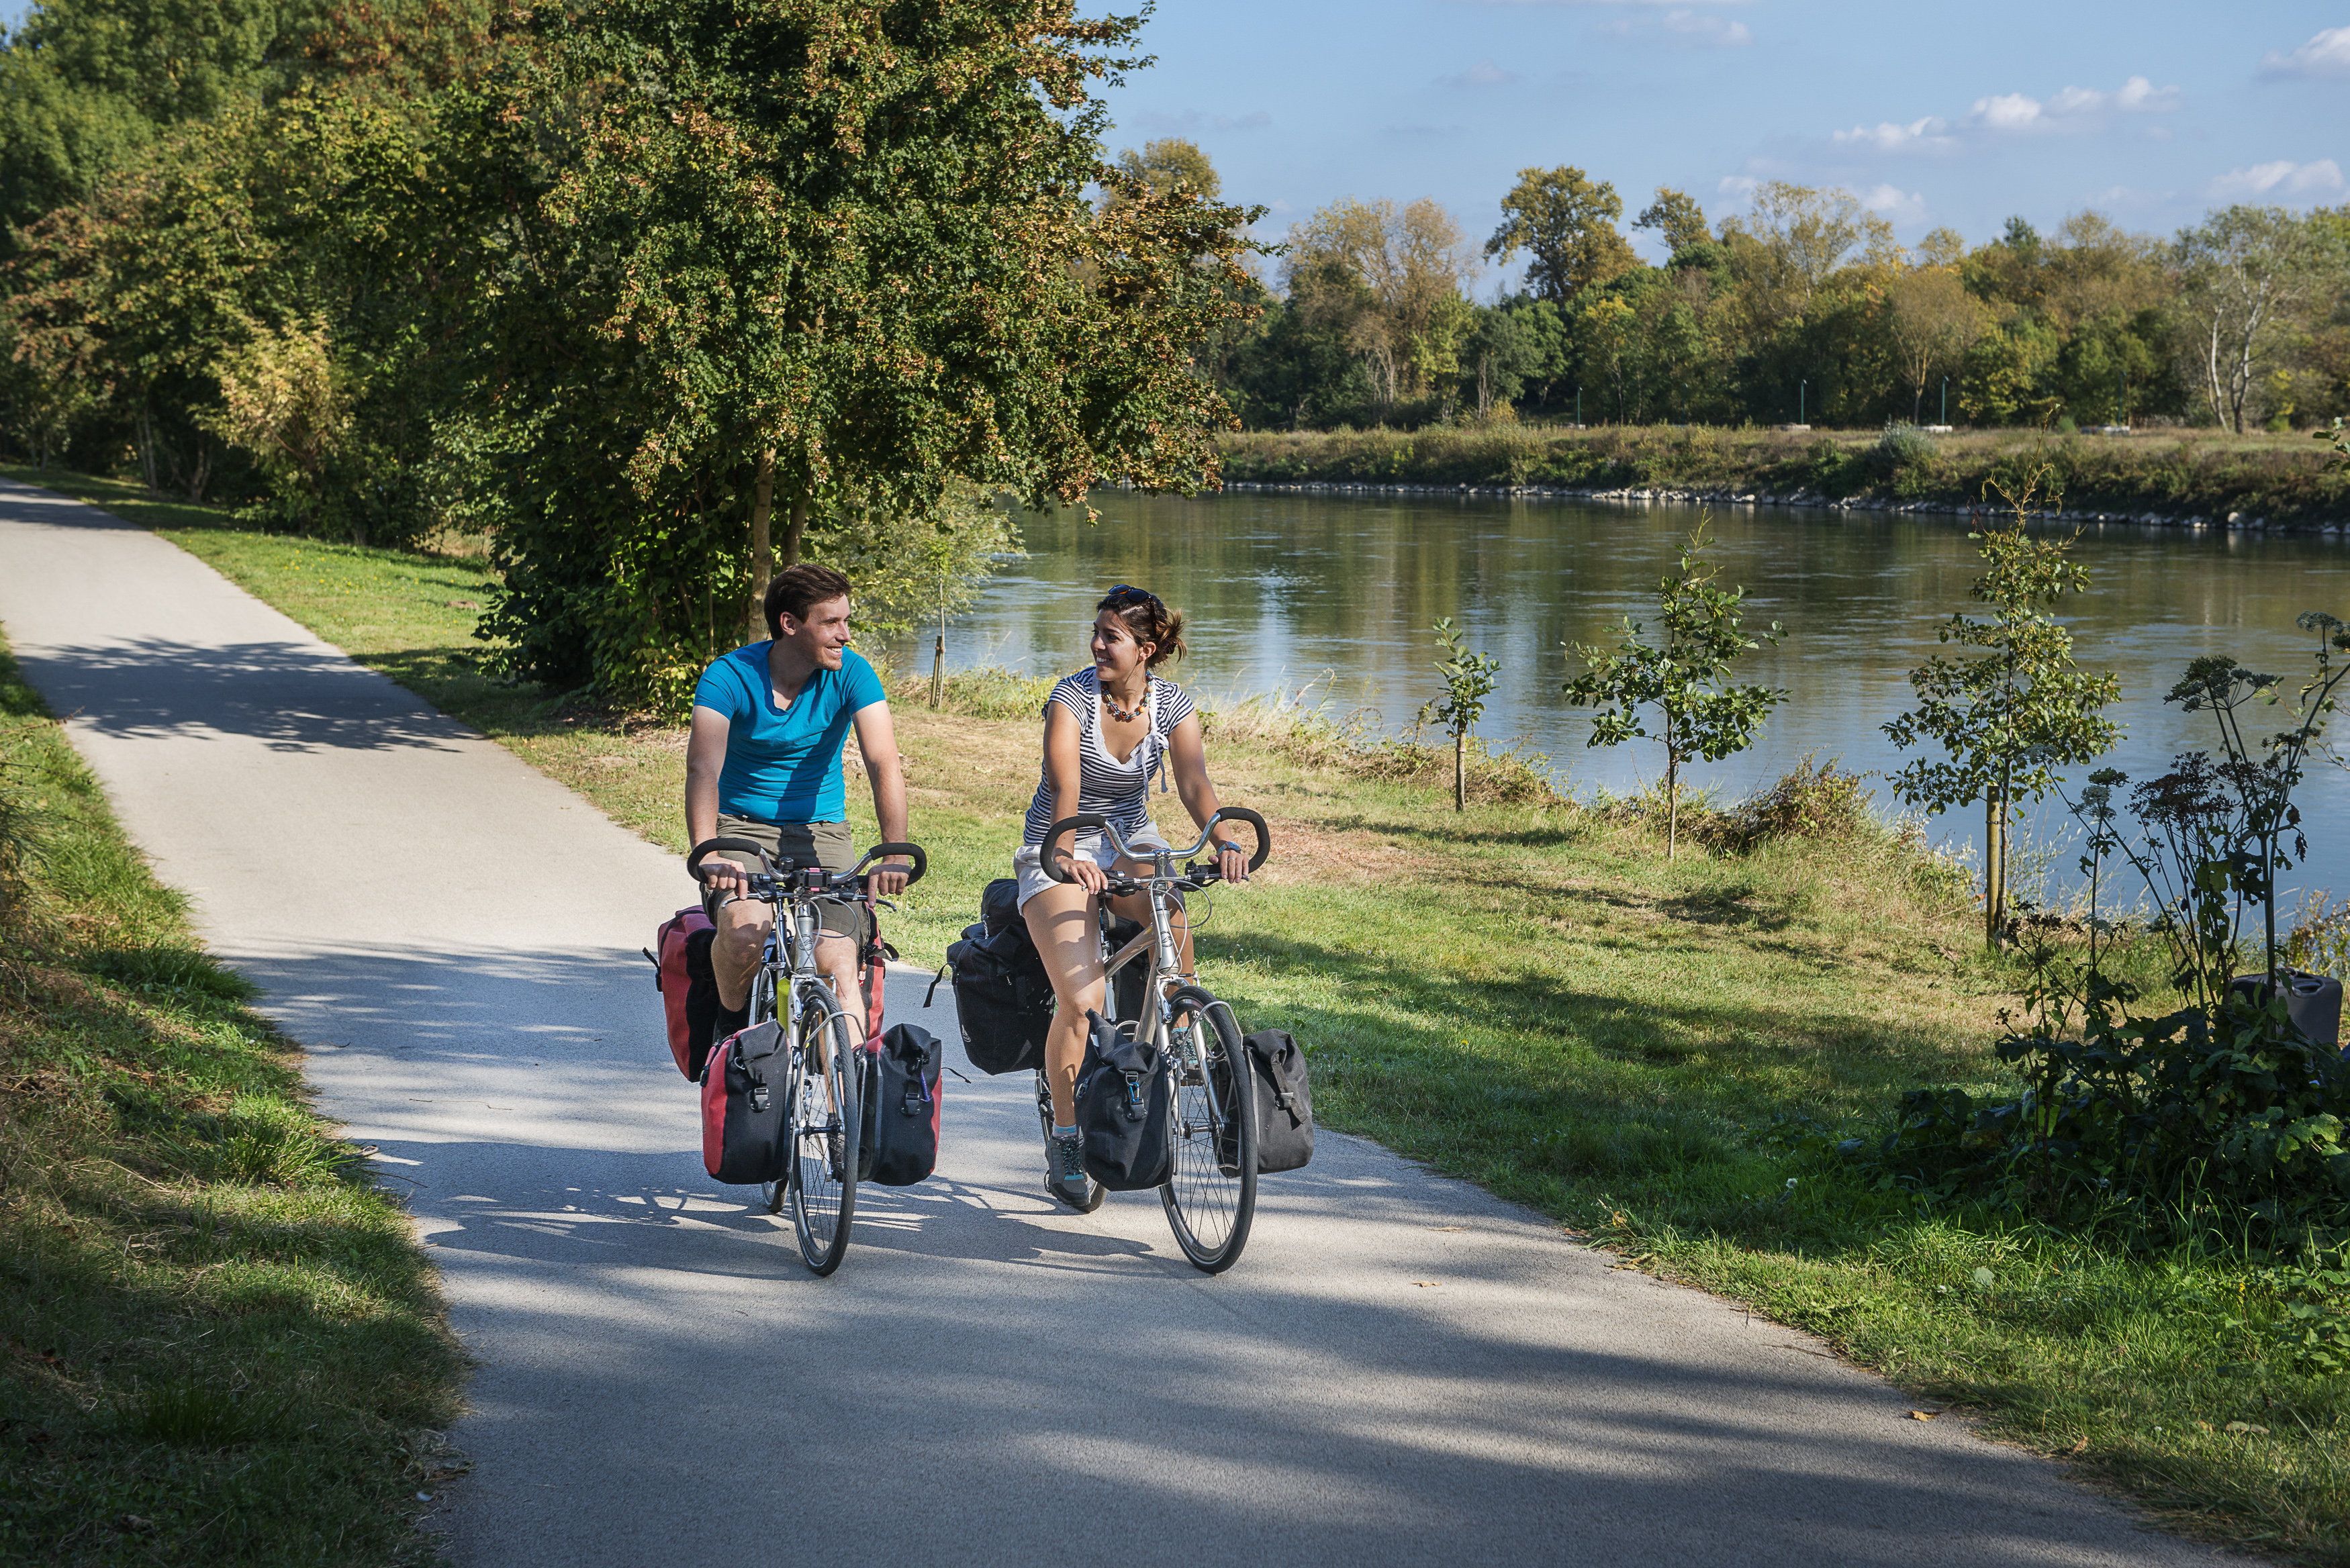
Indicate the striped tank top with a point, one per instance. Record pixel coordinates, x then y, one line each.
1118 790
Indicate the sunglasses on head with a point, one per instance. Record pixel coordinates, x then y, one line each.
1127 591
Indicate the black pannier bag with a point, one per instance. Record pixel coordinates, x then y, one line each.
999 906
742 1109
1285 1106
1003 999
901 1107
1125 1108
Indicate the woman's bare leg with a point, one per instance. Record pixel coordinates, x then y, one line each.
1068 933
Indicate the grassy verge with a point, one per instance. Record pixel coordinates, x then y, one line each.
222 1343
2180 474
1527 994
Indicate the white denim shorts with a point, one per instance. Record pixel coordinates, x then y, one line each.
1028 862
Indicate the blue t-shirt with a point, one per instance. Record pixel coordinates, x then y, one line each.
784 766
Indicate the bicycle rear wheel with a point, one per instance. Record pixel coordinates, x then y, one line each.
1210 1190
760 1008
826 1131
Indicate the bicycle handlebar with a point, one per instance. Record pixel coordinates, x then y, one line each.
1094 822
833 881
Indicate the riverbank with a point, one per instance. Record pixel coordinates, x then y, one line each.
1527 994
222 1341
2190 479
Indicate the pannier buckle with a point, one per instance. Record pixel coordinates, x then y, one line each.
1134 1096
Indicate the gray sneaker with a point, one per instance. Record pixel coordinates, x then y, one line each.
1065 1174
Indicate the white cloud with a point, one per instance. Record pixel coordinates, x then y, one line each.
1892 201
1929 134
1736 186
1485 73
2282 178
2327 54
1707 32
2074 108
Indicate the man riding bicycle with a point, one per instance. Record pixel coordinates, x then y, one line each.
763 763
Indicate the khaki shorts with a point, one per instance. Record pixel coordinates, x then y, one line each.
825 843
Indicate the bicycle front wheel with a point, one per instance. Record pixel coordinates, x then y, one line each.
826 1131
1210 1191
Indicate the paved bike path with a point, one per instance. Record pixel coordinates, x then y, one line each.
1401 1370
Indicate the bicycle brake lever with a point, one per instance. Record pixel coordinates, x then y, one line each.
884 904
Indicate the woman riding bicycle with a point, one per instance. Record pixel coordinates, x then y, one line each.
763 763
1108 730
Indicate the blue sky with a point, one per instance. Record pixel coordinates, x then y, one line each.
1959 115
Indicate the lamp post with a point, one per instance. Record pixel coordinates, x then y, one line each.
1803 393
1945 399
1579 408
2121 397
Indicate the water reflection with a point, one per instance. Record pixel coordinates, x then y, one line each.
1336 596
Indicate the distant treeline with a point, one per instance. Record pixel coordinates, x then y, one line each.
1803 310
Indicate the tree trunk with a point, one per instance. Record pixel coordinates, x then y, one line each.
1672 805
763 555
795 534
1994 865
1461 770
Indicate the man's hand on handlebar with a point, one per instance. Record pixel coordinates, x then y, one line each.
726 877
888 878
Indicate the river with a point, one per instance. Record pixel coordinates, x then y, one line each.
1329 600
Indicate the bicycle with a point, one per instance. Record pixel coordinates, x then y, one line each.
1210 1194
821 1092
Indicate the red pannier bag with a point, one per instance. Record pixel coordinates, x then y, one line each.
687 985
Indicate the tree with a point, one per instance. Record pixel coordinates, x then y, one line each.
1170 162
1678 220
1805 234
1932 320
2007 719
283 401
1566 223
1391 278
750 271
1607 337
88 86
1469 679
1703 715
2243 271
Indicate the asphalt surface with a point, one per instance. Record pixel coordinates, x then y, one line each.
1401 1370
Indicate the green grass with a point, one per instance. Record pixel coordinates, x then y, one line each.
222 1343
1529 995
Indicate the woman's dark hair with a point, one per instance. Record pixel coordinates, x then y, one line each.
1147 621
796 590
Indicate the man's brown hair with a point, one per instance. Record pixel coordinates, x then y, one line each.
796 590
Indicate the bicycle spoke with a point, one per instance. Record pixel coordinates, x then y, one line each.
1210 1191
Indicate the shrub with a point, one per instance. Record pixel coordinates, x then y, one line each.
1812 800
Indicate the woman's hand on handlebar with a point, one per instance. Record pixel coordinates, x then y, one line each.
1232 862
1083 871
